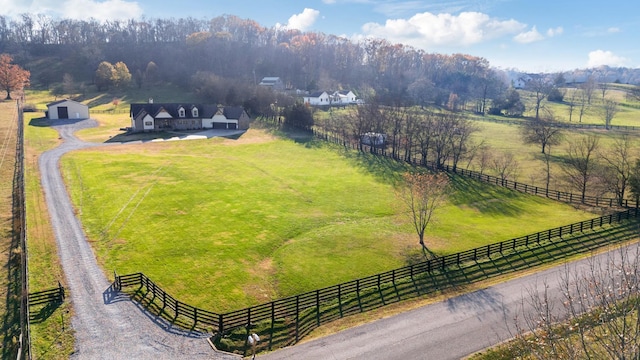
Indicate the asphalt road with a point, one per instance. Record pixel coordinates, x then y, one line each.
451 329
107 325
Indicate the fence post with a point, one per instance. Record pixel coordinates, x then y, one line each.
273 322
380 291
340 299
195 316
297 317
318 307
358 294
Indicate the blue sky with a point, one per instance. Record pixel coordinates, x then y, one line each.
534 36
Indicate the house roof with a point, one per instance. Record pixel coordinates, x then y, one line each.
138 111
270 81
317 93
63 101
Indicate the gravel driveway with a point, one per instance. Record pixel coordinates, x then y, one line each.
107 325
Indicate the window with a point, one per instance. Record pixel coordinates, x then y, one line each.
181 112
148 123
194 112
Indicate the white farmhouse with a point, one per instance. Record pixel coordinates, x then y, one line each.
320 98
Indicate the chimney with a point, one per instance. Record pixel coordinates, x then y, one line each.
150 100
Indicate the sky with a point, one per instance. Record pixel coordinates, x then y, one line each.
527 35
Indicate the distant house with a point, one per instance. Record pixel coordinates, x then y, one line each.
320 98
345 97
273 82
183 116
67 109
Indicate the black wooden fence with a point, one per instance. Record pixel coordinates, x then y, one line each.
20 231
522 187
302 313
55 295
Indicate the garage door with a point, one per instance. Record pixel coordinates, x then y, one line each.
63 112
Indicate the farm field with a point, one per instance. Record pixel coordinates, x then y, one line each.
223 224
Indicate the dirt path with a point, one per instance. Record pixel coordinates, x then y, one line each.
107 325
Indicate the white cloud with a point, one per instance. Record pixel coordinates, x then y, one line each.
302 21
74 9
601 57
102 11
555 31
529 36
613 30
424 30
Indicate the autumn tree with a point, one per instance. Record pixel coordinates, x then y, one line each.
12 76
422 195
122 76
104 75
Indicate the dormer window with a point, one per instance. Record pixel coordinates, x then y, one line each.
181 112
194 112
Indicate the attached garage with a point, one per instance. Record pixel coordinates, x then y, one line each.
67 109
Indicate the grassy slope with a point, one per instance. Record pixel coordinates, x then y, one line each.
223 226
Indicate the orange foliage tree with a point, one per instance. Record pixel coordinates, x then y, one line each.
12 76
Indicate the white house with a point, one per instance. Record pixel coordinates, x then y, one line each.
344 97
320 98
67 109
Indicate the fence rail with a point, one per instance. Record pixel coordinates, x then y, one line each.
55 295
170 307
351 297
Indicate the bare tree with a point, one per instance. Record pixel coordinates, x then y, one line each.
609 110
484 160
580 165
506 166
589 87
572 104
541 88
584 103
618 169
595 316
541 132
634 182
422 195
604 86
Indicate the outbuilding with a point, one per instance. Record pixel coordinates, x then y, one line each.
67 109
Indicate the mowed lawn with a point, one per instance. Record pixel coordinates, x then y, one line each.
224 224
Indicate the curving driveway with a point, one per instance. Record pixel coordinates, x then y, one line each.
107 325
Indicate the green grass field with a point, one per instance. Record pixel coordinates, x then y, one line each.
227 224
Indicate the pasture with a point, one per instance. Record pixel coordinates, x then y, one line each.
223 224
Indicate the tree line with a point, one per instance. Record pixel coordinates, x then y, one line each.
241 50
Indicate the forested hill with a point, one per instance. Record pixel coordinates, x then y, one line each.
189 52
